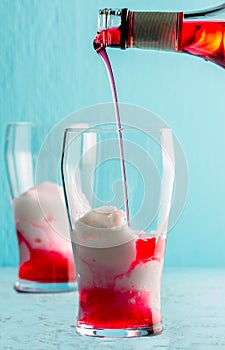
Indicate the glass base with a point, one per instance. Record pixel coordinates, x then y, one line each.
120 333
25 286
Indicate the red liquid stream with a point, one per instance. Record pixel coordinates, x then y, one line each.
124 307
102 52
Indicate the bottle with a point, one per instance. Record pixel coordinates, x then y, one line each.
199 33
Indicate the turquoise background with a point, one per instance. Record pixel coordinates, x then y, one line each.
48 69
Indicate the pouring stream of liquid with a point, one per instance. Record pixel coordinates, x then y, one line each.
102 52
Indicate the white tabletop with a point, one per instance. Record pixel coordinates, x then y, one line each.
193 307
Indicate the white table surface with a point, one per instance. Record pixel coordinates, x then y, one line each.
193 307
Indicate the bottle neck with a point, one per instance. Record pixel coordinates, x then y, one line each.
126 29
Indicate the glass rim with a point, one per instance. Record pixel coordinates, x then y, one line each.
20 124
128 128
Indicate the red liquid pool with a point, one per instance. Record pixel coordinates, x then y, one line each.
117 297
45 251
45 266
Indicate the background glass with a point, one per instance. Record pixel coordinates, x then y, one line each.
45 256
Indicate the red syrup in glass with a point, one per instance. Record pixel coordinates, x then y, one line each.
44 265
123 301
45 255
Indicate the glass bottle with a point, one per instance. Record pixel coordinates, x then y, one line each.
199 33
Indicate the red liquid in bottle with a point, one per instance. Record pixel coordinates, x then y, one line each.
109 37
204 39
199 38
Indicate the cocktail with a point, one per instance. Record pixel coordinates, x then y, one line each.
45 255
118 241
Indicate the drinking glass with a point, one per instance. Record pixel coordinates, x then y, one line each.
118 248
46 261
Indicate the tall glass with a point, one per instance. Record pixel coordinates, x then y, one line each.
118 249
46 261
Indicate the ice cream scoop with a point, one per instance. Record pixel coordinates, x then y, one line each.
102 227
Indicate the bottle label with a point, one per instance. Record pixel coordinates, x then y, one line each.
156 30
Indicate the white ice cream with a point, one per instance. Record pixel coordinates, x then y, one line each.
41 217
102 227
105 250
